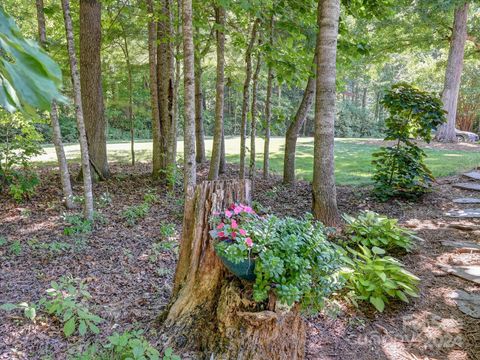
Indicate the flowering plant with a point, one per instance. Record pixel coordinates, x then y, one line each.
232 231
293 258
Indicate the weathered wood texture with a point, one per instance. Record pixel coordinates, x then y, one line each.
211 311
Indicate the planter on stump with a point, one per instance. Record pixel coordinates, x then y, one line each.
211 312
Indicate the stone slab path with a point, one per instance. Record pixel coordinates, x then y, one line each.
466 272
464 213
467 201
473 175
466 245
468 186
467 303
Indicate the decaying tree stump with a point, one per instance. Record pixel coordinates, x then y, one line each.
211 311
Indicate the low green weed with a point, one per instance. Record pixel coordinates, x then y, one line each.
78 224
29 310
134 213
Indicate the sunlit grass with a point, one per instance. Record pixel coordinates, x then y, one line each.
352 158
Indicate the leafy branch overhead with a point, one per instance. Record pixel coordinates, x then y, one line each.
29 78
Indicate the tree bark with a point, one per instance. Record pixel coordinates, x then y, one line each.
324 191
253 128
199 129
211 311
190 175
82 135
91 85
246 97
152 61
453 74
176 106
294 129
268 110
223 161
219 95
56 131
131 118
166 85
42 33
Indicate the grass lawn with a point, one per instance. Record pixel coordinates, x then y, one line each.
352 157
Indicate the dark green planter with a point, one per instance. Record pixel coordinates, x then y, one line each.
244 270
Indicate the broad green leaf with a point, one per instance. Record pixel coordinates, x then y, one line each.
69 327
378 303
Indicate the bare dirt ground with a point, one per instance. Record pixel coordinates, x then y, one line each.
129 271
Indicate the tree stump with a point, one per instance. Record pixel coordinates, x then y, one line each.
212 312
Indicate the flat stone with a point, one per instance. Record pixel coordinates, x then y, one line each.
468 186
473 175
467 303
464 213
467 201
470 272
464 245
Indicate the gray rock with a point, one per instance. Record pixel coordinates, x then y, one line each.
464 213
466 201
468 186
467 303
473 175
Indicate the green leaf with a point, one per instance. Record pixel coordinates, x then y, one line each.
378 303
82 328
378 251
69 327
93 328
8 307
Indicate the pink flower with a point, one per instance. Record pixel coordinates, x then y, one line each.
237 210
248 210
234 224
220 226
234 234
249 242
242 232
221 234
228 214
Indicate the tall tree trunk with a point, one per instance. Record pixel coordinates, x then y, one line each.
190 175
91 85
212 312
246 97
219 94
77 98
199 129
223 161
324 191
166 84
268 110
253 128
131 118
453 74
152 61
42 33
294 129
176 106
56 132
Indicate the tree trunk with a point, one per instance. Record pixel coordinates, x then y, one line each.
253 128
152 61
62 159
131 119
211 311
219 95
42 33
176 107
190 174
166 84
246 97
453 74
293 130
77 98
223 161
91 85
268 110
199 130
56 132
324 191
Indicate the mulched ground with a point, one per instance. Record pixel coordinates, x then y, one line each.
129 271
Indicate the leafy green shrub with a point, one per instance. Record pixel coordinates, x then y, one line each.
29 310
400 169
167 231
370 229
105 199
375 278
68 303
22 185
15 248
135 213
78 224
292 256
150 198
130 345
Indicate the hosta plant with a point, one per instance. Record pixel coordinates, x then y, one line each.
376 279
371 229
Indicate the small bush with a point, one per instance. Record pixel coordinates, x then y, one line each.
29 310
135 213
371 229
400 169
376 278
78 224
68 303
22 185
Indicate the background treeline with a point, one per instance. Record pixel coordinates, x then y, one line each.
408 41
